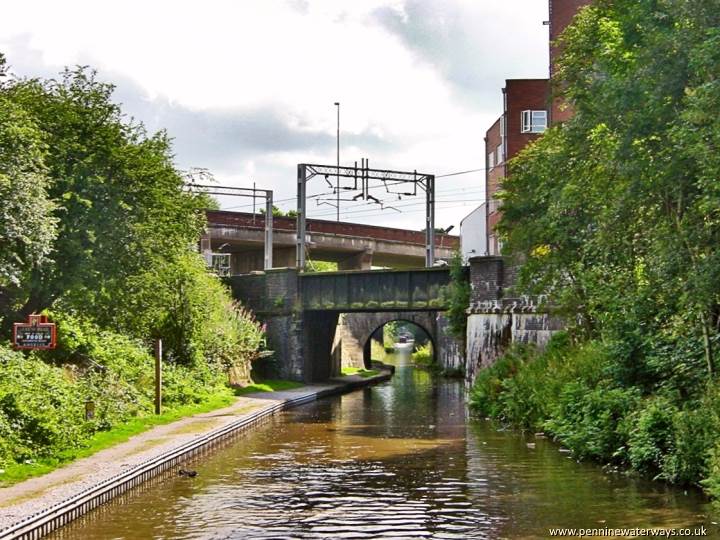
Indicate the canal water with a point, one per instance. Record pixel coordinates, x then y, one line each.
398 460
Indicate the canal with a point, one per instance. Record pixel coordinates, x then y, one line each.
398 460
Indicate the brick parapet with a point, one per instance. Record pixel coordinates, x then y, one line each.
222 218
492 280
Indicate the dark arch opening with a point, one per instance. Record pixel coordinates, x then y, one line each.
416 335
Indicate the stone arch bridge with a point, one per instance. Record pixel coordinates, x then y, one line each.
317 322
355 330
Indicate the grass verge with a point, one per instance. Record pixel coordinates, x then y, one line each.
17 472
269 385
365 373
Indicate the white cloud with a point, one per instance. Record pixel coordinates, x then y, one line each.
406 73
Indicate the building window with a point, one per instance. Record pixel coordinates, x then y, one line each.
491 160
533 121
500 154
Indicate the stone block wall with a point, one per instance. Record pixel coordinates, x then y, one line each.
486 279
450 353
496 320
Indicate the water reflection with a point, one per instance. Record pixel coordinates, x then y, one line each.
400 460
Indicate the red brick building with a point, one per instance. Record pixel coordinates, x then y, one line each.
524 118
527 112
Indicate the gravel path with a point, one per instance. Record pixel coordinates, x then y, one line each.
34 495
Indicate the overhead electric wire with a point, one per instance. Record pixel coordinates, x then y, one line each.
404 205
460 172
449 192
358 204
354 212
440 190
405 212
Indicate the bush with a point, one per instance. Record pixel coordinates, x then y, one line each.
423 355
570 391
523 388
43 394
485 394
457 296
592 421
194 314
652 435
695 433
41 408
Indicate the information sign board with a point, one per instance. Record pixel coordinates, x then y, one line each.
37 333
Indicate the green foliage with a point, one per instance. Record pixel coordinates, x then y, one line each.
192 312
457 295
390 331
322 266
617 211
267 385
423 355
42 403
364 373
569 391
616 217
39 408
27 227
17 472
106 201
117 196
378 351
277 212
591 421
96 228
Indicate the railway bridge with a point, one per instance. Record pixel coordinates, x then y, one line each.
316 321
352 246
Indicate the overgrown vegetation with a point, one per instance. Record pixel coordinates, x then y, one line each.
278 212
423 355
322 266
457 295
570 392
616 214
97 232
378 351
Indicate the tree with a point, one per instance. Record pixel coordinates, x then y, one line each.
617 212
118 197
27 227
277 212
94 191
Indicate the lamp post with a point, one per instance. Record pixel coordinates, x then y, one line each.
337 178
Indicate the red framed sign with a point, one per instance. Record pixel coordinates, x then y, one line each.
37 333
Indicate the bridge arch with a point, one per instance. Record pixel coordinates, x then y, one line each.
367 348
354 330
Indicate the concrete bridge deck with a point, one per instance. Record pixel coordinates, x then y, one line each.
353 246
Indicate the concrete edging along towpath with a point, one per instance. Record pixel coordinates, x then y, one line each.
35 507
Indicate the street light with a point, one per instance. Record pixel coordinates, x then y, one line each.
337 178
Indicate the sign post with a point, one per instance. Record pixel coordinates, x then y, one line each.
158 376
36 333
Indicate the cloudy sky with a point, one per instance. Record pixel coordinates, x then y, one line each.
246 88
